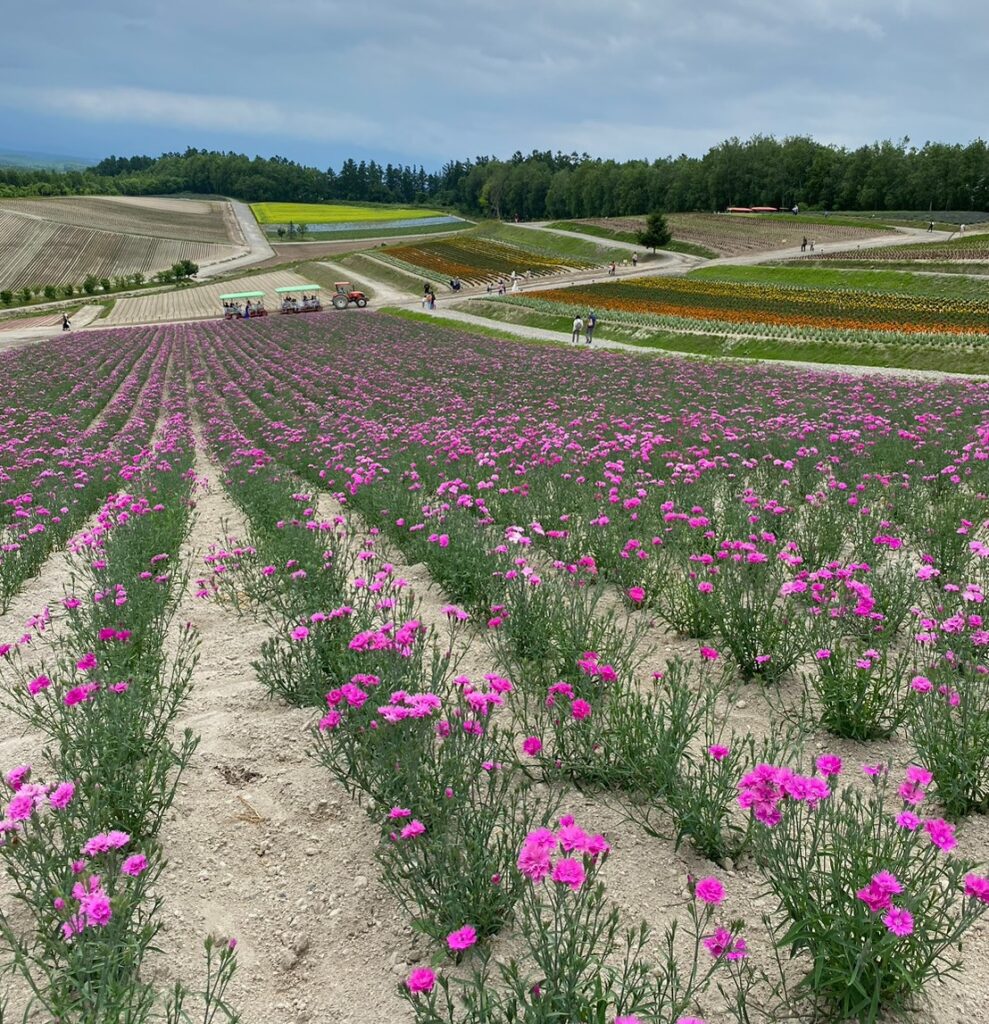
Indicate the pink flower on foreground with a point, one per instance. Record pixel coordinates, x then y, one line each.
941 833
105 841
709 654
723 944
422 979
413 829
62 797
16 777
300 633
462 938
531 745
135 865
580 709
876 895
829 764
710 890
977 887
717 752
38 684
636 594
570 872
87 662
898 921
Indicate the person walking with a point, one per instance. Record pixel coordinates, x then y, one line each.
592 322
65 323
578 326
803 245
635 259
930 227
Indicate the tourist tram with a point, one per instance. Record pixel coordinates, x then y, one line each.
246 305
292 298
300 298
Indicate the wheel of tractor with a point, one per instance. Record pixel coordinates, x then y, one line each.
361 303
339 301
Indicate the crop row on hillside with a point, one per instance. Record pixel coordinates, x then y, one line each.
38 252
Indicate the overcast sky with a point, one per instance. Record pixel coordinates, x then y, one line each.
421 81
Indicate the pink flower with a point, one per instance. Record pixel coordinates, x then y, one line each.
829 764
300 633
16 777
717 752
134 865
38 684
921 684
908 820
87 662
636 594
710 890
941 833
399 812
723 944
462 938
628 1019
95 906
534 861
531 745
413 829
709 654
919 776
570 872
580 709
21 807
79 694
977 887
105 841
690 1020
422 979
898 921
62 796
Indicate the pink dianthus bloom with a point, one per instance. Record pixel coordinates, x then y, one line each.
829 764
908 820
628 1019
710 890
413 829
921 684
399 812
977 887
300 633
570 872
135 865
38 684
87 662
580 709
941 833
531 745
709 654
636 594
422 979
898 921
62 797
690 1020
105 841
462 938
20 808
16 777
717 752
723 944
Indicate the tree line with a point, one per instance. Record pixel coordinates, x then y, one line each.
762 171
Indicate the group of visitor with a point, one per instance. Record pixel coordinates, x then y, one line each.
585 326
308 303
232 310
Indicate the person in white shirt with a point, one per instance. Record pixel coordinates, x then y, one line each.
578 326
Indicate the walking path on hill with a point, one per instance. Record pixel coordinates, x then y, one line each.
258 247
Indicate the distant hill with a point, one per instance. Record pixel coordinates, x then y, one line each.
43 161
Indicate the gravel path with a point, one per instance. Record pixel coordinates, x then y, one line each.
258 248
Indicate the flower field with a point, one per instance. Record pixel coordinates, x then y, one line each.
476 259
779 307
336 213
645 690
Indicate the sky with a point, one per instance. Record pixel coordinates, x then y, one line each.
430 80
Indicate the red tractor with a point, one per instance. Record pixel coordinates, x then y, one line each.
347 294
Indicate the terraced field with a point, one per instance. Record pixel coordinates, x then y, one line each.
198 303
965 249
60 241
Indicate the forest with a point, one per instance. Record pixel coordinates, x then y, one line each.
762 170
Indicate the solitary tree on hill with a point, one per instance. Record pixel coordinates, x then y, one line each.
657 232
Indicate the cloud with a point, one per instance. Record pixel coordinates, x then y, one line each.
198 111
